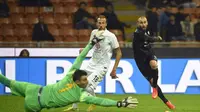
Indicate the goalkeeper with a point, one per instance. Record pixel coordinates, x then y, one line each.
67 91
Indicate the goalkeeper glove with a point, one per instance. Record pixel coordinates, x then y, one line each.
95 40
128 102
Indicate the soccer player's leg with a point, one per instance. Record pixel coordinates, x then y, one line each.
17 88
94 79
153 78
161 96
32 103
154 73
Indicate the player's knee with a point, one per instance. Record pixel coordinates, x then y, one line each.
151 81
90 90
153 64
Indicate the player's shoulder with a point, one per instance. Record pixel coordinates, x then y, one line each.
109 33
137 30
94 31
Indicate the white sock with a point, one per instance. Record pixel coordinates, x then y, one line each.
75 106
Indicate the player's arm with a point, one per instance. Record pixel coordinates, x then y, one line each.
144 37
81 57
118 54
127 102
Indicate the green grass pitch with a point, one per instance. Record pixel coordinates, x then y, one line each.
183 103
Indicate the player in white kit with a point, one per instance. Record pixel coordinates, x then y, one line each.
101 58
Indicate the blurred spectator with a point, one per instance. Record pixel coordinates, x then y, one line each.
163 20
35 3
180 16
101 3
82 16
197 30
188 28
152 18
174 31
41 32
189 4
4 9
112 20
24 53
154 3
139 3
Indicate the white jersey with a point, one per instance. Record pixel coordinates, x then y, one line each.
103 50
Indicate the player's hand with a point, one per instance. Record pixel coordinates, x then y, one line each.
128 102
113 74
95 40
80 50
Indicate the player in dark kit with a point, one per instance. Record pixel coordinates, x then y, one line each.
145 58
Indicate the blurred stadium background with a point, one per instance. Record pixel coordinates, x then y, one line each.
177 21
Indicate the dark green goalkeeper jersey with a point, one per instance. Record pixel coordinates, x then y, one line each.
66 91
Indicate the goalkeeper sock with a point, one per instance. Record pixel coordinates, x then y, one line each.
75 106
161 95
155 77
4 80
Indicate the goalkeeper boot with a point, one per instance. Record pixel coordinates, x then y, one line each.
71 109
155 93
91 108
170 105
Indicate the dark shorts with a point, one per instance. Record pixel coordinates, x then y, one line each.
143 63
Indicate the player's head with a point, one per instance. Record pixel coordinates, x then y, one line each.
41 19
80 78
142 22
83 5
101 22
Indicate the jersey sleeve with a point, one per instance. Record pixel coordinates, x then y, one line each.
144 37
89 99
81 57
91 35
114 42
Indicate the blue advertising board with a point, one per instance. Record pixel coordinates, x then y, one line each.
175 75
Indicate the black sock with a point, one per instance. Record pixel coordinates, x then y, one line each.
155 77
161 95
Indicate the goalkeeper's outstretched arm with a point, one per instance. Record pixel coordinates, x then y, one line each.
128 102
81 57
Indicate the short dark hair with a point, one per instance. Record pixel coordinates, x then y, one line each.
23 51
82 3
78 74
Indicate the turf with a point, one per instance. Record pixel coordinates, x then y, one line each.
184 103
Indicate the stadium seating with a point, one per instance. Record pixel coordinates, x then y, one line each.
24 35
84 35
64 22
68 35
31 10
69 2
16 9
11 1
92 10
118 34
32 19
55 1
59 9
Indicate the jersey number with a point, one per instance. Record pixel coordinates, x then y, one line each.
95 78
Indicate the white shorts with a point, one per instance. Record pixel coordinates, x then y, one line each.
95 76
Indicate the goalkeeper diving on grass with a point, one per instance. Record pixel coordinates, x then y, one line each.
67 91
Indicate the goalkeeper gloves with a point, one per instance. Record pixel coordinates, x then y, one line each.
95 40
128 102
